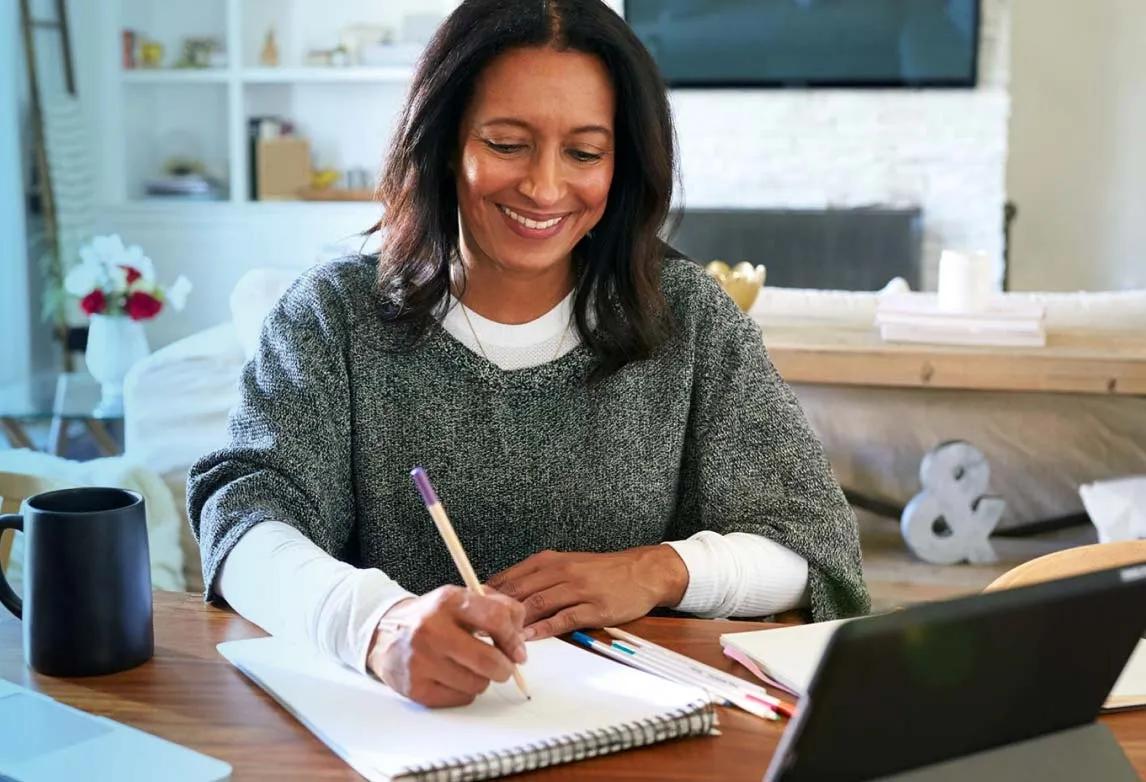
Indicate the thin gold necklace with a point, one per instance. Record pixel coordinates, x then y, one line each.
481 347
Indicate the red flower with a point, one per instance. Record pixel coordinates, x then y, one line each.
141 306
131 272
93 303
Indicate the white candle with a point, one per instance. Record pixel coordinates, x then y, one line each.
964 281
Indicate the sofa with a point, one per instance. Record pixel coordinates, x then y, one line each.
1041 446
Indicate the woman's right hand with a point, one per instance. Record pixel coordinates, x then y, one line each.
425 646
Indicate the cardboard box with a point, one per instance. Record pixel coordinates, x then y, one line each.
283 167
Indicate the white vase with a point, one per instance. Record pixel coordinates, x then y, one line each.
115 343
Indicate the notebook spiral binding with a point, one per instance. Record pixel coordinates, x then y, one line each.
696 719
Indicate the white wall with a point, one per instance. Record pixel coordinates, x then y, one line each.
15 306
1077 169
215 244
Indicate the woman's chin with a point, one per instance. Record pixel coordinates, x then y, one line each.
513 259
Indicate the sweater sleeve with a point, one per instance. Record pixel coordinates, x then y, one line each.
740 574
752 463
289 454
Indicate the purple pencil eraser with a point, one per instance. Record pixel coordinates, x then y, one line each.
422 481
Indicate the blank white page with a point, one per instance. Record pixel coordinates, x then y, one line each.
380 733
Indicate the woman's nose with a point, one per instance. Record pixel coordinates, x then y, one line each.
543 184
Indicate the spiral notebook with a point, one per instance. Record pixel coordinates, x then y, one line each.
583 705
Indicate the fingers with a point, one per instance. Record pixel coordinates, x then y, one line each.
547 602
477 657
500 617
457 677
524 587
514 573
411 664
429 651
437 695
565 621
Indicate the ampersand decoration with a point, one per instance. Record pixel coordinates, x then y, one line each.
951 520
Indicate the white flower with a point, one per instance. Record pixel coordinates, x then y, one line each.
82 279
135 258
117 277
177 292
88 257
108 250
104 264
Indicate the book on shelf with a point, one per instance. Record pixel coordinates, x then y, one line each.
188 186
983 323
924 334
915 317
927 305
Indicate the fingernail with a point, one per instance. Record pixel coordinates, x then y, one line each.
519 654
529 633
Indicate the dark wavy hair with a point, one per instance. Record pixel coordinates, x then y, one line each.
617 266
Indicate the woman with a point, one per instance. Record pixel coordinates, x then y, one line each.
578 398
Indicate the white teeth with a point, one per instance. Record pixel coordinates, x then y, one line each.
534 224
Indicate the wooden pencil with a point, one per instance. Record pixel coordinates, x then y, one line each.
454 546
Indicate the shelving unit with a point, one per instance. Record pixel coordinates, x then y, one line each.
175 76
326 75
155 114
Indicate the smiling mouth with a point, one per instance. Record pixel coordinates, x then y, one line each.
533 225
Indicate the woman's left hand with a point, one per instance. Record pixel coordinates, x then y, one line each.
568 591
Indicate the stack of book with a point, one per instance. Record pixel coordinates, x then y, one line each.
916 317
191 186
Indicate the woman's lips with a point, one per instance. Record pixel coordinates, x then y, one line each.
546 229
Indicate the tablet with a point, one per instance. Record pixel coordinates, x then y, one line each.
943 681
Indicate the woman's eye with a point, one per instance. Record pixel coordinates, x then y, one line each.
582 156
504 149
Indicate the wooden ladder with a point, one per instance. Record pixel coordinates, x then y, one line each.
41 189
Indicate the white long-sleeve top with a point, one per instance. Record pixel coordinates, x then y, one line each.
281 581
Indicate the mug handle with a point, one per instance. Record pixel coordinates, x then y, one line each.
8 597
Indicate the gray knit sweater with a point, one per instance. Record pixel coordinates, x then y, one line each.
335 411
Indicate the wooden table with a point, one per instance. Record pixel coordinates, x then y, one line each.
1078 362
190 695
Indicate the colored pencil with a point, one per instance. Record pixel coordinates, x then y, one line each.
450 538
658 668
705 671
732 695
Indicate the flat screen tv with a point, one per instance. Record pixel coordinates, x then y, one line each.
810 43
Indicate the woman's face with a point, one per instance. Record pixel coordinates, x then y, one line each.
536 158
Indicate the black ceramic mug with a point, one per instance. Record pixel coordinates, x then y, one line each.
87 581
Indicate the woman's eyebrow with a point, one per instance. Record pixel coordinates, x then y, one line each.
523 124
507 121
594 129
